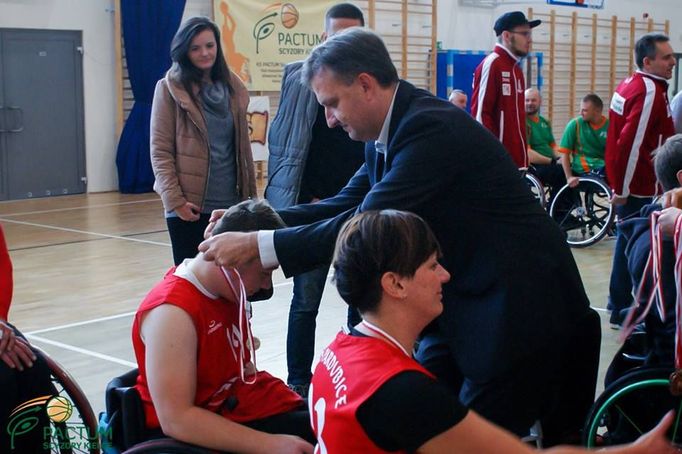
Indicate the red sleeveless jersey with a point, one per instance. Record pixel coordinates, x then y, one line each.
218 377
350 370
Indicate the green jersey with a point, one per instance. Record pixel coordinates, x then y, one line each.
540 137
586 142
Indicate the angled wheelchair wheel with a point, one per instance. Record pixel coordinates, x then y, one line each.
583 213
73 426
632 406
536 187
165 446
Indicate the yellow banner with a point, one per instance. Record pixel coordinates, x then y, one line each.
260 37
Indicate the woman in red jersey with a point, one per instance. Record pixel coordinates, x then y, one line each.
368 394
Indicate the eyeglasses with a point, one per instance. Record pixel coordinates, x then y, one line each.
526 34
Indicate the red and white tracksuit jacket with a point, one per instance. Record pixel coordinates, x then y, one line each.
498 101
639 122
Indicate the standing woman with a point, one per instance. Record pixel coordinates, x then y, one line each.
200 148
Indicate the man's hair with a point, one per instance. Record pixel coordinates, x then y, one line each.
668 161
347 54
646 47
456 91
533 90
343 11
376 242
595 100
248 216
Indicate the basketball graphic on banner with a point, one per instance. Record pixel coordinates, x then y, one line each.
59 409
289 15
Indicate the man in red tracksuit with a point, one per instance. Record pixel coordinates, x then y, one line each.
498 99
640 121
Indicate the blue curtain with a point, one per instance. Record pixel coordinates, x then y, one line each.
148 28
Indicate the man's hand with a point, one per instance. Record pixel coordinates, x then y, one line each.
572 181
667 220
673 198
618 200
14 351
231 249
655 440
215 217
188 212
287 444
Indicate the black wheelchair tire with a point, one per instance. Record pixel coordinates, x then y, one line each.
641 380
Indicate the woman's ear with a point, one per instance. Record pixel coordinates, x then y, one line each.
679 177
392 285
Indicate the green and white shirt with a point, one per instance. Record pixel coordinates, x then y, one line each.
586 142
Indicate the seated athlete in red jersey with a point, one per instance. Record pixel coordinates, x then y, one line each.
368 395
194 349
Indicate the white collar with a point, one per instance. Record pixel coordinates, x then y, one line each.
183 271
653 76
508 51
383 135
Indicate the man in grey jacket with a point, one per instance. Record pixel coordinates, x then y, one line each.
308 162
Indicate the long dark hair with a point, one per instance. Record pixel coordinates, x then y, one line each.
182 69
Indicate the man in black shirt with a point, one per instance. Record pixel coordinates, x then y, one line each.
308 162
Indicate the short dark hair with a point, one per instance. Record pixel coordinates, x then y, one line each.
646 47
248 216
595 100
376 242
347 54
668 162
343 11
182 68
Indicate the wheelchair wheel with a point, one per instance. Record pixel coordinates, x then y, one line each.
536 187
584 213
78 432
165 446
630 407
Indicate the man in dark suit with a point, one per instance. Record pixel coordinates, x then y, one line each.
517 338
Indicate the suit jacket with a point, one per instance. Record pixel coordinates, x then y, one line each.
515 289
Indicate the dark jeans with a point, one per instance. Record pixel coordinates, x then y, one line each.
620 284
295 422
308 289
185 236
556 385
551 175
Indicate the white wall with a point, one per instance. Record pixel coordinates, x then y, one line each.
95 18
466 27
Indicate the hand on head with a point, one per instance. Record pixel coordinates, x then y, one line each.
231 249
215 217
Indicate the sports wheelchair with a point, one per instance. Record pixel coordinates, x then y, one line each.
583 213
122 426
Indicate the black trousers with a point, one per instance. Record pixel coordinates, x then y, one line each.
295 422
555 385
186 236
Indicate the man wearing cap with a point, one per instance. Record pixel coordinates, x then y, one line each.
498 98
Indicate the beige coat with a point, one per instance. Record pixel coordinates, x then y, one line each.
180 150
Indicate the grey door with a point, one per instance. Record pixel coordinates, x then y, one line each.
42 150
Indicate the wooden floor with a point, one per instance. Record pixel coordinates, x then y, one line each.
83 263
